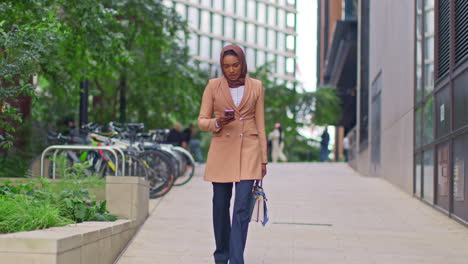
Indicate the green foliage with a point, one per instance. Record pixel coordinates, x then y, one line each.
328 106
129 49
39 203
294 108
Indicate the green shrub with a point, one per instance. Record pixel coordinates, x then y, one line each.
41 203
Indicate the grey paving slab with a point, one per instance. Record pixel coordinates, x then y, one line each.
320 213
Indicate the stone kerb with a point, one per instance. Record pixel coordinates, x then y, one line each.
88 242
128 197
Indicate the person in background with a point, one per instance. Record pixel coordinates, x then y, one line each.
277 144
176 137
324 144
346 148
194 144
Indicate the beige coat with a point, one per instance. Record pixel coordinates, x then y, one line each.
238 149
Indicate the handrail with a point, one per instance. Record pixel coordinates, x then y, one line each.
111 149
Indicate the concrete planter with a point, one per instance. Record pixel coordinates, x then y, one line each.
89 242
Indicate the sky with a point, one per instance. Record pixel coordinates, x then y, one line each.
307 42
307 57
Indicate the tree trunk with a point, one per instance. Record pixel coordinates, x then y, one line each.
123 97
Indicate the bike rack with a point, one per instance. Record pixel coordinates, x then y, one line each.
111 149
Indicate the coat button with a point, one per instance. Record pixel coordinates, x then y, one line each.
241 134
241 118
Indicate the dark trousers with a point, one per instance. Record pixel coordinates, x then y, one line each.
323 153
230 240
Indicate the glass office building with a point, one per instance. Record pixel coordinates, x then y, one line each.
265 29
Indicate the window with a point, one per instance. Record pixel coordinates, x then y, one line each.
251 9
290 65
217 24
428 46
205 47
216 51
428 78
281 18
418 128
261 9
260 58
218 4
250 55
281 42
206 22
228 28
290 42
182 10
240 7
417 175
261 36
193 44
193 17
271 15
240 32
428 174
271 60
291 17
271 43
206 3
229 6
428 128
419 46
281 65
250 33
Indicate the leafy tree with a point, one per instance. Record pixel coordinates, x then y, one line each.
28 33
293 108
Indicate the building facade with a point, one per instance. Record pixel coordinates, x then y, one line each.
336 60
412 113
265 29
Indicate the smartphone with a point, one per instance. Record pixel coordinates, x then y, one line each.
229 113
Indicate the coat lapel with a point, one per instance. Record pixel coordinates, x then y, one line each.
246 95
227 94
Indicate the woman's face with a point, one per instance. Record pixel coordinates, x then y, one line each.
231 67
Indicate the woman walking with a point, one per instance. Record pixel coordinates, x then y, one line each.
237 152
277 138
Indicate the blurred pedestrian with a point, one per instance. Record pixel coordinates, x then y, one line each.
176 137
346 148
324 144
237 152
193 142
277 144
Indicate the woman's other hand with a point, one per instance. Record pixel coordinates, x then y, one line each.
224 120
264 170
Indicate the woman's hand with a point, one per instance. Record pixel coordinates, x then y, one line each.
264 170
224 120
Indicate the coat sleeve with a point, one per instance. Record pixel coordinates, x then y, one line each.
260 122
205 120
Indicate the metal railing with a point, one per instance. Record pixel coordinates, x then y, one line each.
111 149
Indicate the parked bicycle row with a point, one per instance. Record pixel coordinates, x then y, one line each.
146 154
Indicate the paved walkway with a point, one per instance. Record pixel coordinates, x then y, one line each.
340 217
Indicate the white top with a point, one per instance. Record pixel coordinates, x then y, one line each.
346 143
237 94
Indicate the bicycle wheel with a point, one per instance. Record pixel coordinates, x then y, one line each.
160 173
187 167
